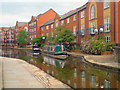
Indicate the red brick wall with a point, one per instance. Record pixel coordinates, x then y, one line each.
43 18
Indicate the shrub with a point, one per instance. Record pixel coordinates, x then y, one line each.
96 45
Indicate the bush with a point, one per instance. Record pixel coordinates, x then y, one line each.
96 45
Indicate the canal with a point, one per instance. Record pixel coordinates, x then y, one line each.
72 71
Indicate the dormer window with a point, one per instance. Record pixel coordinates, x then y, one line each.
68 20
47 27
92 14
74 18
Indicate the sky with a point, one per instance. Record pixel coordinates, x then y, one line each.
22 10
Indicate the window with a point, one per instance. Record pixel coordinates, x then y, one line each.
47 27
52 34
68 20
82 29
106 4
82 14
42 28
56 24
47 34
42 34
74 30
51 25
107 24
62 22
74 18
92 14
107 38
92 28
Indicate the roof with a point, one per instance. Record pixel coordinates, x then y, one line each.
48 22
20 24
73 12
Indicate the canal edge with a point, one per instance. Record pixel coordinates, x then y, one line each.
100 65
2 75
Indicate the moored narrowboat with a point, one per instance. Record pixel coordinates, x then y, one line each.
56 51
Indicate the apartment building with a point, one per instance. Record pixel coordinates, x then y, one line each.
18 27
36 21
91 19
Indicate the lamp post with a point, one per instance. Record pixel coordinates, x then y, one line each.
100 30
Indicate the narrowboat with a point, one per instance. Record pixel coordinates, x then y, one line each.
56 51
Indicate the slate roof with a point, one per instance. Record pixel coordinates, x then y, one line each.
20 24
73 12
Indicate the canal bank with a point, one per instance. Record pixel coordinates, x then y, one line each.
20 74
106 61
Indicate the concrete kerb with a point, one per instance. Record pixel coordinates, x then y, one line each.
100 65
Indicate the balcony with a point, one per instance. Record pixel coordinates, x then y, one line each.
106 28
90 31
81 32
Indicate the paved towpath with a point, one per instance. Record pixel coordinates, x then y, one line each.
103 60
20 74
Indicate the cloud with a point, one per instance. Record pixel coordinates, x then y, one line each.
22 10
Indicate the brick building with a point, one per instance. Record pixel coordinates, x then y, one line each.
18 27
37 21
92 19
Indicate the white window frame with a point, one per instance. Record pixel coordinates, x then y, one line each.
74 30
52 34
107 24
47 27
92 28
107 38
92 12
47 34
62 22
51 25
56 24
74 18
82 29
42 28
82 14
68 20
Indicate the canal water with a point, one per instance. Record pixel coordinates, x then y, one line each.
72 71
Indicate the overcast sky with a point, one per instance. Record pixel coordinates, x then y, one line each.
22 10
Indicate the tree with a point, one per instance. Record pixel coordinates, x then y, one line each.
22 37
64 35
39 40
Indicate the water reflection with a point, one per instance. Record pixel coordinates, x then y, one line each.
72 71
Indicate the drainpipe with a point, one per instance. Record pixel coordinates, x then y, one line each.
114 22
78 27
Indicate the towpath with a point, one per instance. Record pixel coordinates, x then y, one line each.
16 73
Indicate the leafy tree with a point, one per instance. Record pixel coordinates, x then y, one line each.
64 35
39 40
22 37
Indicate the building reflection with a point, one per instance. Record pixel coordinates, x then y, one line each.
72 71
